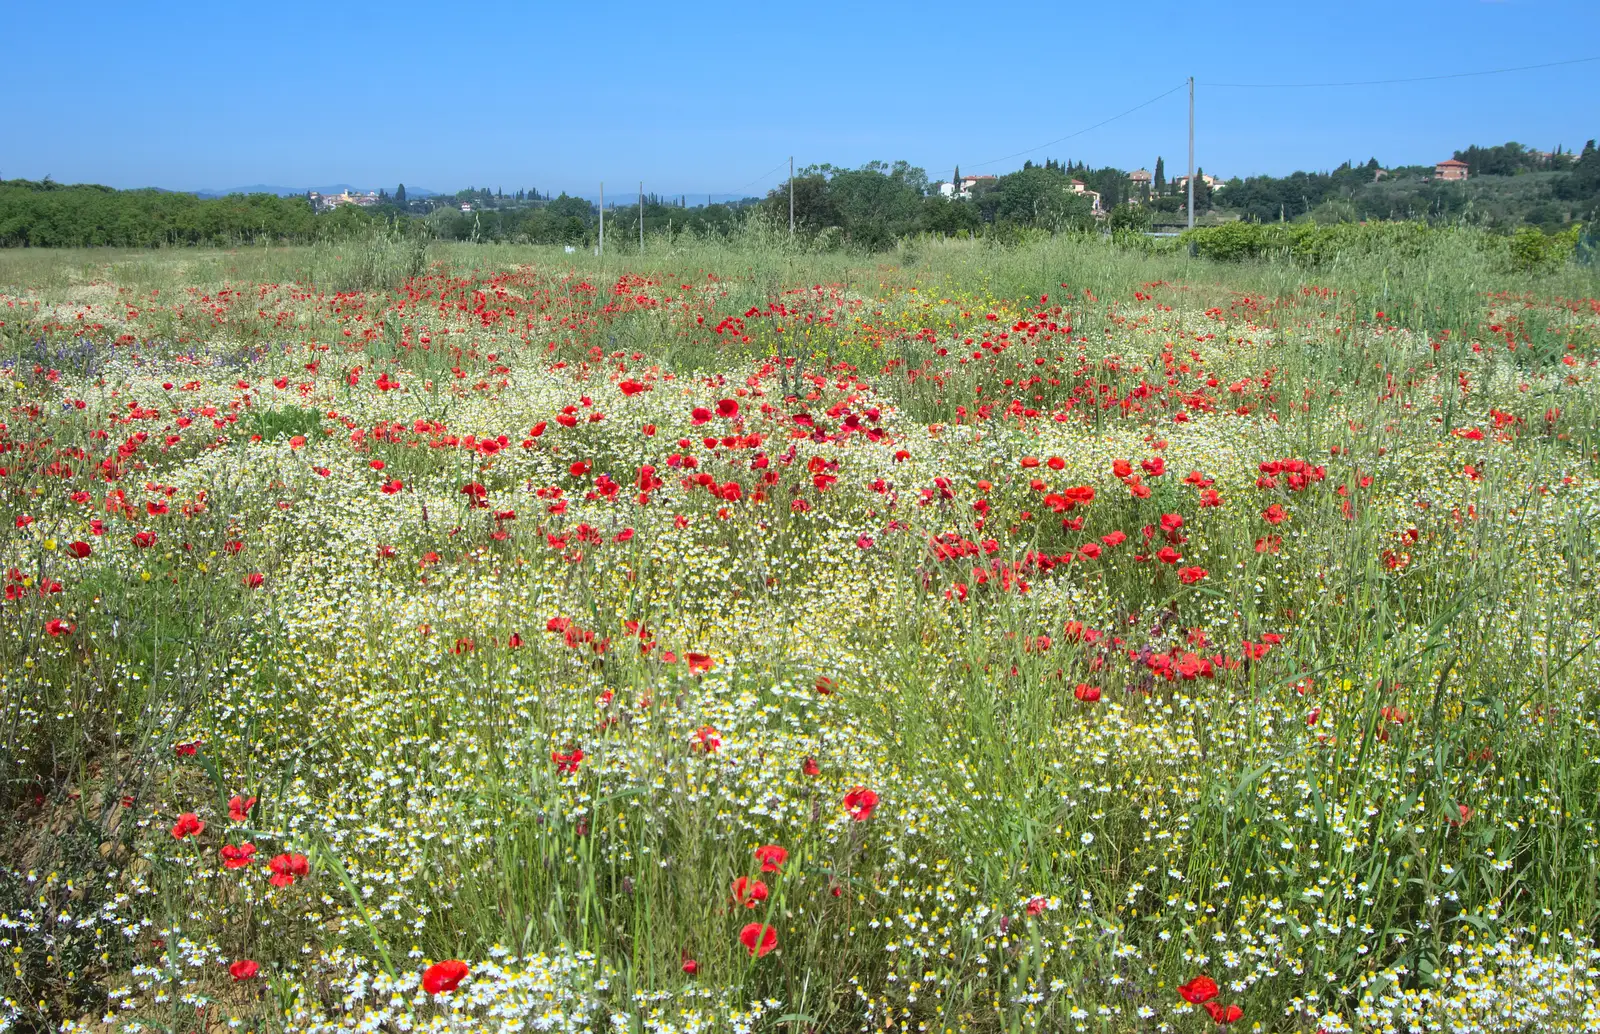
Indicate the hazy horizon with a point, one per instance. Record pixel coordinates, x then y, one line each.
717 101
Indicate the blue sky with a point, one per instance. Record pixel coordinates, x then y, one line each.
708 97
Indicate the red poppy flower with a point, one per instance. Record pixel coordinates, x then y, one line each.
1223 1014
1191 575
825 685
1121 468
567 762
444 976
1087 693
707 739
286 868
859 802
254 579
80 550
1168 555
700 415
188 825
758 940
772 857
243 970
1201 989
144 539
748 892
1274 514
698 662
727 408
57 627
810 767
239 807
237 857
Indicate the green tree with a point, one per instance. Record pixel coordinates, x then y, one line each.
400 194
949 217
1042 198
814 210
1202 192
874 205
1161 176
1130 218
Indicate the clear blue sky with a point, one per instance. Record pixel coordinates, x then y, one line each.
707 97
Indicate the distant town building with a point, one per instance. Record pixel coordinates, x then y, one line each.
1451 169
466 206
1078 187
1181 184
967 183
1140 177
328 202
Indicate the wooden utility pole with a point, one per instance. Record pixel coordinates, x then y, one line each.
641 217
1191 152
791 195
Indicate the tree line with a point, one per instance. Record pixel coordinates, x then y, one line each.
52 215
870 207
1507 186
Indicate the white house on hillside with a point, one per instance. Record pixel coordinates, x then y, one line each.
1093 196
967 183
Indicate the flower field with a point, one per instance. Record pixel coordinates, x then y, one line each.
690 646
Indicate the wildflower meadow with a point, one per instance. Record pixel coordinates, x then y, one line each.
1065 636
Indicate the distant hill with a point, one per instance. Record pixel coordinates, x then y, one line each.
332 188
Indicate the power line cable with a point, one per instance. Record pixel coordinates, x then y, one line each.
1086 129
737 194
759 178
1391 82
